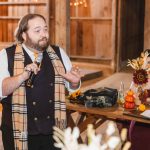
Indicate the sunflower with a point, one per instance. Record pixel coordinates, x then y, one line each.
140 77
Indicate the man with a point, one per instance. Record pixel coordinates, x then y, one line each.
30 112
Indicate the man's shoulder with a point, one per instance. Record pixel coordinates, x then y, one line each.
10 50
55 47
6 50
11 47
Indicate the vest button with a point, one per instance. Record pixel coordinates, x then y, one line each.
34 103
51 84
48 117
50 101
35 118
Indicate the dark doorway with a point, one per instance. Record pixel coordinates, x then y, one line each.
131 33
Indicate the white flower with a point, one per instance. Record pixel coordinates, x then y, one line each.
111 129
113 142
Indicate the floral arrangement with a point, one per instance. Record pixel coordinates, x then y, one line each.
68 139
140 75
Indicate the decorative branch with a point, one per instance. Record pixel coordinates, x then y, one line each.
107 141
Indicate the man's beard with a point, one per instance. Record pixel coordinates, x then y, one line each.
37 46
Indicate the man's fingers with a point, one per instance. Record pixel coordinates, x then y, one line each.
82 74
75 74
32 68
75 69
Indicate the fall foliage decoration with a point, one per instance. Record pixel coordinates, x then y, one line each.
144 95
140 75
142 107
74 95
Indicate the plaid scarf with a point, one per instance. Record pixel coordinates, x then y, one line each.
19 105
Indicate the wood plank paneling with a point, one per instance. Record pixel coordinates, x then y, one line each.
3 25
91 30
88 38
12 10
61 23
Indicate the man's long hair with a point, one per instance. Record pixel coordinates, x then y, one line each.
23 26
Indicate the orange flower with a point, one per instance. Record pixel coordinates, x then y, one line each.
141 107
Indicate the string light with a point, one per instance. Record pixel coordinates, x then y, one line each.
78 3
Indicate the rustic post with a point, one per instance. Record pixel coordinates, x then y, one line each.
62 29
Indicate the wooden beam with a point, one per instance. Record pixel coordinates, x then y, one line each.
92 18
118 45
61 23
9 18
114 34
22 3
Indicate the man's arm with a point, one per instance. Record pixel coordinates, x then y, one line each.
73 81
4 73
10 84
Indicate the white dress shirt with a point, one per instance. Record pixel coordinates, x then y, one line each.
4 66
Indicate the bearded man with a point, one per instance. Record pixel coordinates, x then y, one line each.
33 77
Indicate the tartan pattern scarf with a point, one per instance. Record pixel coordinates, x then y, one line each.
19 105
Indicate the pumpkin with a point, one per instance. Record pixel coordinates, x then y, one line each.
142 107
129 105
129 98
130 92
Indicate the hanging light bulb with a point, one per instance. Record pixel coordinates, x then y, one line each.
81 2
78 3
75 4
85 3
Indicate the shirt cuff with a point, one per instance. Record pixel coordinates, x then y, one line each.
1 96
67 84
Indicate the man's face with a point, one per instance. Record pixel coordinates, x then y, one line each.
37 36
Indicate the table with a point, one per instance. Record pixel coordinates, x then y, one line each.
96 116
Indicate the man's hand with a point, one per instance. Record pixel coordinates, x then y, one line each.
73 77
10 84
28 69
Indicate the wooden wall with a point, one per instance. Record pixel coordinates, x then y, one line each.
55 11
103 30
12 10
91 29
3 24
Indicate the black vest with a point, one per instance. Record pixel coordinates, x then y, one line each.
40 98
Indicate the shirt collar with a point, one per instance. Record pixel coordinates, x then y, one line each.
30 53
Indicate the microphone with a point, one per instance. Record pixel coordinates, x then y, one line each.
30 81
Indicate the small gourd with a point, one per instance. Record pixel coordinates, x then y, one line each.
129 100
